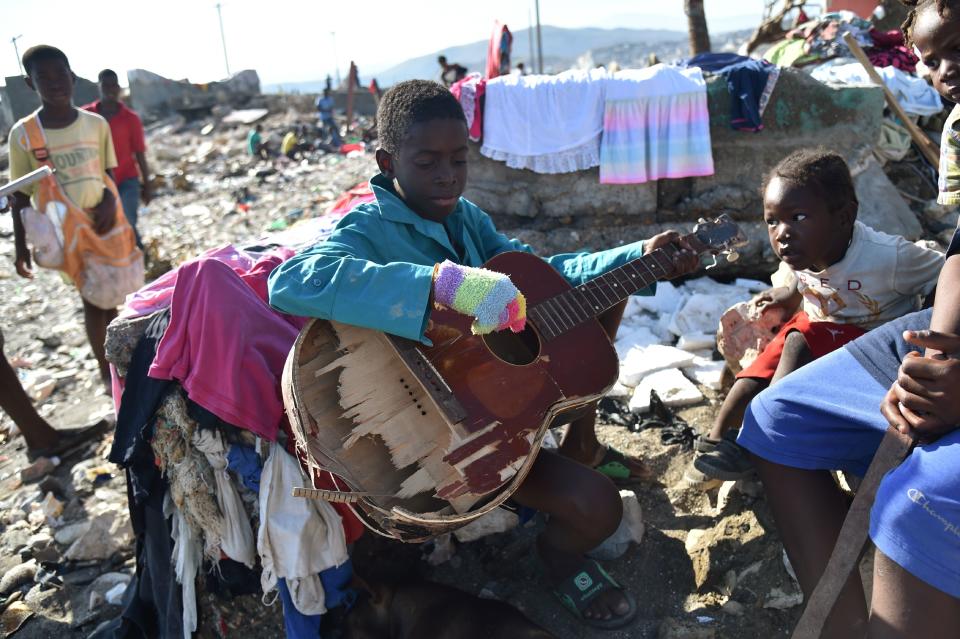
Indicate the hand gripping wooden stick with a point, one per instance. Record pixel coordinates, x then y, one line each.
893 449
929 148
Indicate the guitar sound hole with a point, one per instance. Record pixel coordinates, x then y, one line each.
518 349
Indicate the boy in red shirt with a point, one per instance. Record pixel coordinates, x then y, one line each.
129 145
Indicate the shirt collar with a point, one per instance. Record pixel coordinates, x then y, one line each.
395 209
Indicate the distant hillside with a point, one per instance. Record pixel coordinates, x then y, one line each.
561 47
561 50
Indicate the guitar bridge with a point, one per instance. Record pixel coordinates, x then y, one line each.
430 378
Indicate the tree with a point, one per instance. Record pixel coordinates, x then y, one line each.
697 26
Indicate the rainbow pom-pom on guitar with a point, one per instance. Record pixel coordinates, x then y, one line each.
424 439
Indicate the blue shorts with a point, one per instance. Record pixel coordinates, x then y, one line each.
826 416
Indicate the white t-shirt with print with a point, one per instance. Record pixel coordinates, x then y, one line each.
881 277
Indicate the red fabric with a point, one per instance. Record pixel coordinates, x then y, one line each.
495 59
822 338
889 50
352 526
360 194
127 133
863 8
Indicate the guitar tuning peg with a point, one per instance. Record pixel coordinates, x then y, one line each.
733 256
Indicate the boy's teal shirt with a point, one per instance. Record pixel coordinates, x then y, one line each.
376 268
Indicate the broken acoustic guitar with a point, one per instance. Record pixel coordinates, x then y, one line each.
422 439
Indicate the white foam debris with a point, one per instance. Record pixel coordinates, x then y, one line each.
706 372
641 361
632 335
671 386
666 300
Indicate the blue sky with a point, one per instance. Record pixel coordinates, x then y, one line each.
290 40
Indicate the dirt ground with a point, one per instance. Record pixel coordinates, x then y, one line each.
659 572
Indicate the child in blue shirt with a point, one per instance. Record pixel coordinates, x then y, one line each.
832 414
377 271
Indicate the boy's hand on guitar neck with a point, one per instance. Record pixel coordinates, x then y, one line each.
686 261
487 296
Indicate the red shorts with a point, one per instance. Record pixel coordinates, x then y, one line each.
822 338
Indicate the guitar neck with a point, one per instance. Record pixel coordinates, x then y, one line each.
560 313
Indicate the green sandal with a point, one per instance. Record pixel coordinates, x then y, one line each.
613 465
578 591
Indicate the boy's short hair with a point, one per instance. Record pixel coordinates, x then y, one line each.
820 169
107 73
40 53
411 102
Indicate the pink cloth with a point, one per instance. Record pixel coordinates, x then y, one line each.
468 92
225 345
252 267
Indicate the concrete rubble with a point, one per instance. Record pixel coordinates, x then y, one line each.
68 518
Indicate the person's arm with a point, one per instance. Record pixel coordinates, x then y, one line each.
579 268
341 279
21 260
20 165
104 214
139 146
924 399
146 192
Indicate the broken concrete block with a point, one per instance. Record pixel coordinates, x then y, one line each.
443 550
700 314
496 521
640 362
107 534
671 386
745 330
780 600
881 205
629 531
706 372
696 341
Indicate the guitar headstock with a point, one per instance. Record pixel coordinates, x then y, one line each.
721 235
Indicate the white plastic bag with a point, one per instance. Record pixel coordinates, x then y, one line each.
44 235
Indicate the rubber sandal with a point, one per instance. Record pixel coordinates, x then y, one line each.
71 441
613 465
578 591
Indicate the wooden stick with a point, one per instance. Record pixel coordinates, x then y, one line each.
893 449
929 148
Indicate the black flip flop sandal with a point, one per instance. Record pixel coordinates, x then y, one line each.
578 591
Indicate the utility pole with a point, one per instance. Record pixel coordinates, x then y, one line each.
16 51
336 65
223 39
539 40
533 60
